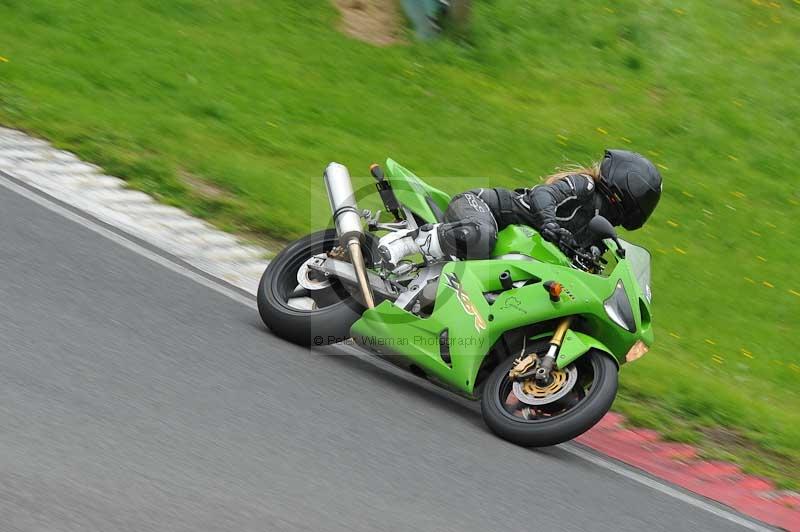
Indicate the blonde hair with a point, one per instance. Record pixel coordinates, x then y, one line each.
592 170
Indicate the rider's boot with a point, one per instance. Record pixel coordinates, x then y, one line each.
398 245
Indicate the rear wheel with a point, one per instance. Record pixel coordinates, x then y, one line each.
532 415
303 306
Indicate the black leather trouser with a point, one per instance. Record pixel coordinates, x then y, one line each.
470 224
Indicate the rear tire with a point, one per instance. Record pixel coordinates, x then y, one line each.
321 326
544 431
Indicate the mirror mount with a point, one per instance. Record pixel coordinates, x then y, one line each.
603 229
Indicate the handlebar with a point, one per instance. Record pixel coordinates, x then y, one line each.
587 259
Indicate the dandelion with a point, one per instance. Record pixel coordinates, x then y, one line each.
762 259
679 250
794 292
626 139
768 284
662 166
3 59
673 224
747 353
601 130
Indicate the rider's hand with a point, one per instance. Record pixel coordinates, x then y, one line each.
552 232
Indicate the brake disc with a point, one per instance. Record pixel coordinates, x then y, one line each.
530 392
310 279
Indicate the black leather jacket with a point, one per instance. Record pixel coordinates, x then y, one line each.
569 202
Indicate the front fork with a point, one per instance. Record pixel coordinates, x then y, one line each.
526 366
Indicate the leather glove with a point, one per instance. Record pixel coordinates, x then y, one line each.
552 232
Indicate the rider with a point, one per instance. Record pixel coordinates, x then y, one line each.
624 188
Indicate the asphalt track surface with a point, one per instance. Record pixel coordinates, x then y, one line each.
135 398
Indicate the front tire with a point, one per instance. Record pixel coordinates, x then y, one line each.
327 323
563 420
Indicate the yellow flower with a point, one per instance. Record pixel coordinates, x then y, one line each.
709 341
601 130
679 250
626 139
768 284
762 259
662 166
794 292
673 224
3 59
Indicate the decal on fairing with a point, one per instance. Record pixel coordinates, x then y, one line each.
466 303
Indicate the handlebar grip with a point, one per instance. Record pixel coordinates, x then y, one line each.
377 172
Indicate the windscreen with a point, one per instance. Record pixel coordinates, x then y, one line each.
639 259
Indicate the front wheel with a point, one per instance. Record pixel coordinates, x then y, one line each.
532 415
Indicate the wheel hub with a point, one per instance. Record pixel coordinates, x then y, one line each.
309 279
531 392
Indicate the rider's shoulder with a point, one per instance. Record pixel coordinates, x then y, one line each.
582 184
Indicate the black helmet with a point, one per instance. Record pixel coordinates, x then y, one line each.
632 184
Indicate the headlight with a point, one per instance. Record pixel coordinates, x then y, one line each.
619 308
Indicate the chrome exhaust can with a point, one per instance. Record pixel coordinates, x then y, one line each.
343 203
348 223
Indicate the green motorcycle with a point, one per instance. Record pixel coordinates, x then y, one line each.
538 333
